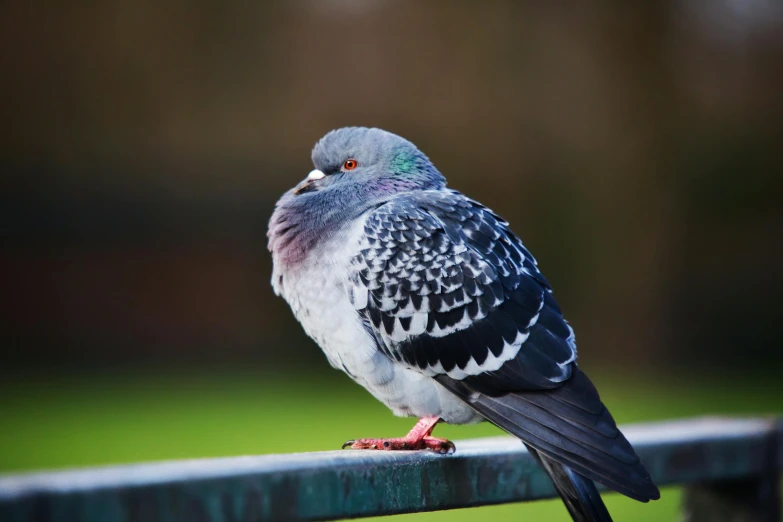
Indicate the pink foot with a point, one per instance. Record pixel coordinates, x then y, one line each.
419 438
403 443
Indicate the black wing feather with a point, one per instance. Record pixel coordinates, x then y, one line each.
477 286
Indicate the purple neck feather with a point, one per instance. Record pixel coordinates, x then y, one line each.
301 223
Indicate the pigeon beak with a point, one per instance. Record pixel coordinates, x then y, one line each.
307 184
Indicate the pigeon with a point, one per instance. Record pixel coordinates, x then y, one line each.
428 300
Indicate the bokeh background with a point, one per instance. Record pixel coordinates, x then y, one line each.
635 147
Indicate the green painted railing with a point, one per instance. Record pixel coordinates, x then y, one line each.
730 467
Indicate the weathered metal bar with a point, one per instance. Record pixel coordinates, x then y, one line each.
747 499
342 484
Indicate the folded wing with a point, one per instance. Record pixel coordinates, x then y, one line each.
446 288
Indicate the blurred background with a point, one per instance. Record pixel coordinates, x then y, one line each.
636 149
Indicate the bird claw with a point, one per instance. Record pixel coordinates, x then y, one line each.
442 446
348 444
446 447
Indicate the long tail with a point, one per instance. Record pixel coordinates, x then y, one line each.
579 494
574 438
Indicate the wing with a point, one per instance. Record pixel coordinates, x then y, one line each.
447 288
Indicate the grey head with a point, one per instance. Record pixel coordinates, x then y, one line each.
373 162
356 169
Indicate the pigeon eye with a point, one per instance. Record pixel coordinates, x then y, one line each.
350 164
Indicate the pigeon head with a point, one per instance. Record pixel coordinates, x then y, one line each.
368 163
356 169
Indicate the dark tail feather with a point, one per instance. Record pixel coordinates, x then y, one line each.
570 426
579 494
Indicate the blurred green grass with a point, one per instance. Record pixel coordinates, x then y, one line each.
93 419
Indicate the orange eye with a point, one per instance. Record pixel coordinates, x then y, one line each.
350 164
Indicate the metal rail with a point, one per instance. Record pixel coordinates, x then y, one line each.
731 467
